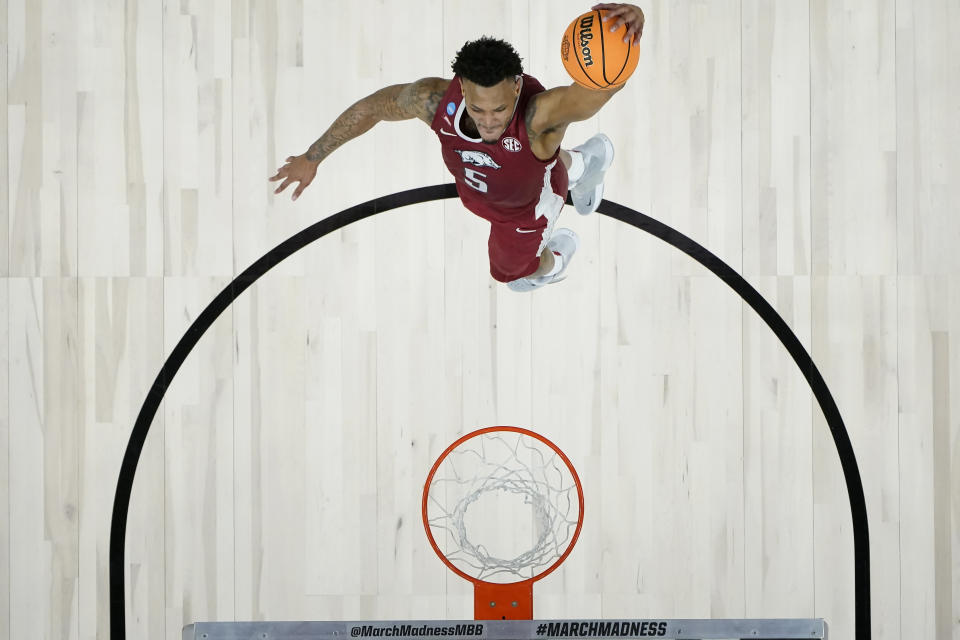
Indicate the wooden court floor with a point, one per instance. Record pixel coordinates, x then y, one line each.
813 146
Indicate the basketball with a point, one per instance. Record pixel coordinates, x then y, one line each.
593 56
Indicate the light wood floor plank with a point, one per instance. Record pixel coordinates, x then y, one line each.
812 146
4 146
5 550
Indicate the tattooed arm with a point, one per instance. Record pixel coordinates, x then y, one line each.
398 102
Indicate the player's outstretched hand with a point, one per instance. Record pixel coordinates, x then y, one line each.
297 169
627 14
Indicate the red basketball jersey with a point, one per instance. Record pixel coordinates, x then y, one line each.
501 182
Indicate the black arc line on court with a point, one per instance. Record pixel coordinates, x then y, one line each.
128 467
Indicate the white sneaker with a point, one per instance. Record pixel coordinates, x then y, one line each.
587 192
563 243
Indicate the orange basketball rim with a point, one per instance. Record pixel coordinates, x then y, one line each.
479 474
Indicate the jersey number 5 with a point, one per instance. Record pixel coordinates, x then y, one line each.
473 179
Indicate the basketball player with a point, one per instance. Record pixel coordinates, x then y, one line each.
500 135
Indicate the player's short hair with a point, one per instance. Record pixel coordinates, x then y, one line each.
487 62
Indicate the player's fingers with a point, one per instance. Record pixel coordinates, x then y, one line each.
283 185
611 15
616 26
612 12
276 177
299 189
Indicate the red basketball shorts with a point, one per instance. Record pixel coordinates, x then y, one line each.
515 246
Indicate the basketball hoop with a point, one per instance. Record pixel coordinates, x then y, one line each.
513 484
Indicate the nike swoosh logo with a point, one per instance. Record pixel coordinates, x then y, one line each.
519 230
447 133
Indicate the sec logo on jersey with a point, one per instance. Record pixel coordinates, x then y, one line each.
511 144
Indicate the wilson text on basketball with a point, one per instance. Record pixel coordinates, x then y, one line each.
586 35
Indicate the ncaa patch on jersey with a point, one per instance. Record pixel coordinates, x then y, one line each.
511 144
451 108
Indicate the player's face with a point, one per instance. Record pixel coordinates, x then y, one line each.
491 108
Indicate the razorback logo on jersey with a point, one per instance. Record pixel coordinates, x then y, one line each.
478 158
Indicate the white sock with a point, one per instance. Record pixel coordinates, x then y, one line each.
575 172
557 265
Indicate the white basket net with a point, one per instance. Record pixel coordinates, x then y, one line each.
503 506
